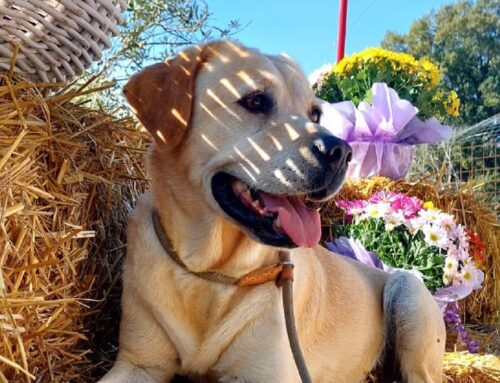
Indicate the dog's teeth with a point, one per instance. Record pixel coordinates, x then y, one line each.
256 204
240 186
277 222
264 211
246 195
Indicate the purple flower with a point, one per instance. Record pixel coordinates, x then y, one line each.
452 317
382 133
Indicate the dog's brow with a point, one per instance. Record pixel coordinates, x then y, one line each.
221 103
240 52
230 87
247 79
209 112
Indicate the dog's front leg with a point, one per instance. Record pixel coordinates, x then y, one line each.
260 354
146 353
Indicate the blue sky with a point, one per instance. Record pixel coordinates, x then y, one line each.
307 30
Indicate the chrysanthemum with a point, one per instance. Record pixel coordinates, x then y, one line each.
377 210
471 275
450 265
447 222
435 236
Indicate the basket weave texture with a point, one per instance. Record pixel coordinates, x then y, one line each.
57 39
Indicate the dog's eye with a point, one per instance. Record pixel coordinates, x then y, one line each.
315 115
257 102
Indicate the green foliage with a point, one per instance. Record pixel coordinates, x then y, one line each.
398 248
463 38
154 30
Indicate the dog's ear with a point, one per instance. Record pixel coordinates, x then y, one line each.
162 95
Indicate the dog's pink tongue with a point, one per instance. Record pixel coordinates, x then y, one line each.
301 224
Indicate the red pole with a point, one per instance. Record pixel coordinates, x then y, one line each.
342 27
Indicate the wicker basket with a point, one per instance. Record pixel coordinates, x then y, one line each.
57 39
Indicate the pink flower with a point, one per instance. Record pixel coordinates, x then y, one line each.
351 208
409 206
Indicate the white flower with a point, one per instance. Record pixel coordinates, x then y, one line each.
393 219
429 215
447 222
377 210
453 251
462 236
450 265
436 236
471 275
415 224
447 278
463 252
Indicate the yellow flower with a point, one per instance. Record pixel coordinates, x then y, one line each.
429 205
432 72
453 104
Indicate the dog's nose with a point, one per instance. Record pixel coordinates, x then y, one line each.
333 150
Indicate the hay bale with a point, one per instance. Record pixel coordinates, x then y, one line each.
481 306
462 367
69 176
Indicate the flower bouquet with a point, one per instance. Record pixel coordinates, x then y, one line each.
383 103
399 233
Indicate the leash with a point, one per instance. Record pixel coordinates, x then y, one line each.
281 273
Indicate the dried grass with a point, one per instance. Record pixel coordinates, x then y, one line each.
68 178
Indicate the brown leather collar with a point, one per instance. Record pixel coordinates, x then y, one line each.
279 272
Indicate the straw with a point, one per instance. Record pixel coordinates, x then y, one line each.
69 176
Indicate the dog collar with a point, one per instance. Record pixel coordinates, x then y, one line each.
279 272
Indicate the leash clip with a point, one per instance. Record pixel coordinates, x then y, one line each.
286 273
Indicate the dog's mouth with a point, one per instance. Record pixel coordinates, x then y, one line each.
275 219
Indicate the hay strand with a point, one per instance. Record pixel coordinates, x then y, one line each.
65 172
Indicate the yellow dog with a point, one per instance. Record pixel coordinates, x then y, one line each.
239 147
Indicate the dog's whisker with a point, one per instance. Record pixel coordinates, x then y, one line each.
244 158
245 169
281 177
275 142
292 133
294 168
259 150
308 155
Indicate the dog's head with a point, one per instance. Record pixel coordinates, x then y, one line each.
244 130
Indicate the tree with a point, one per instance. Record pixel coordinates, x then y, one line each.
154 30
463 38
